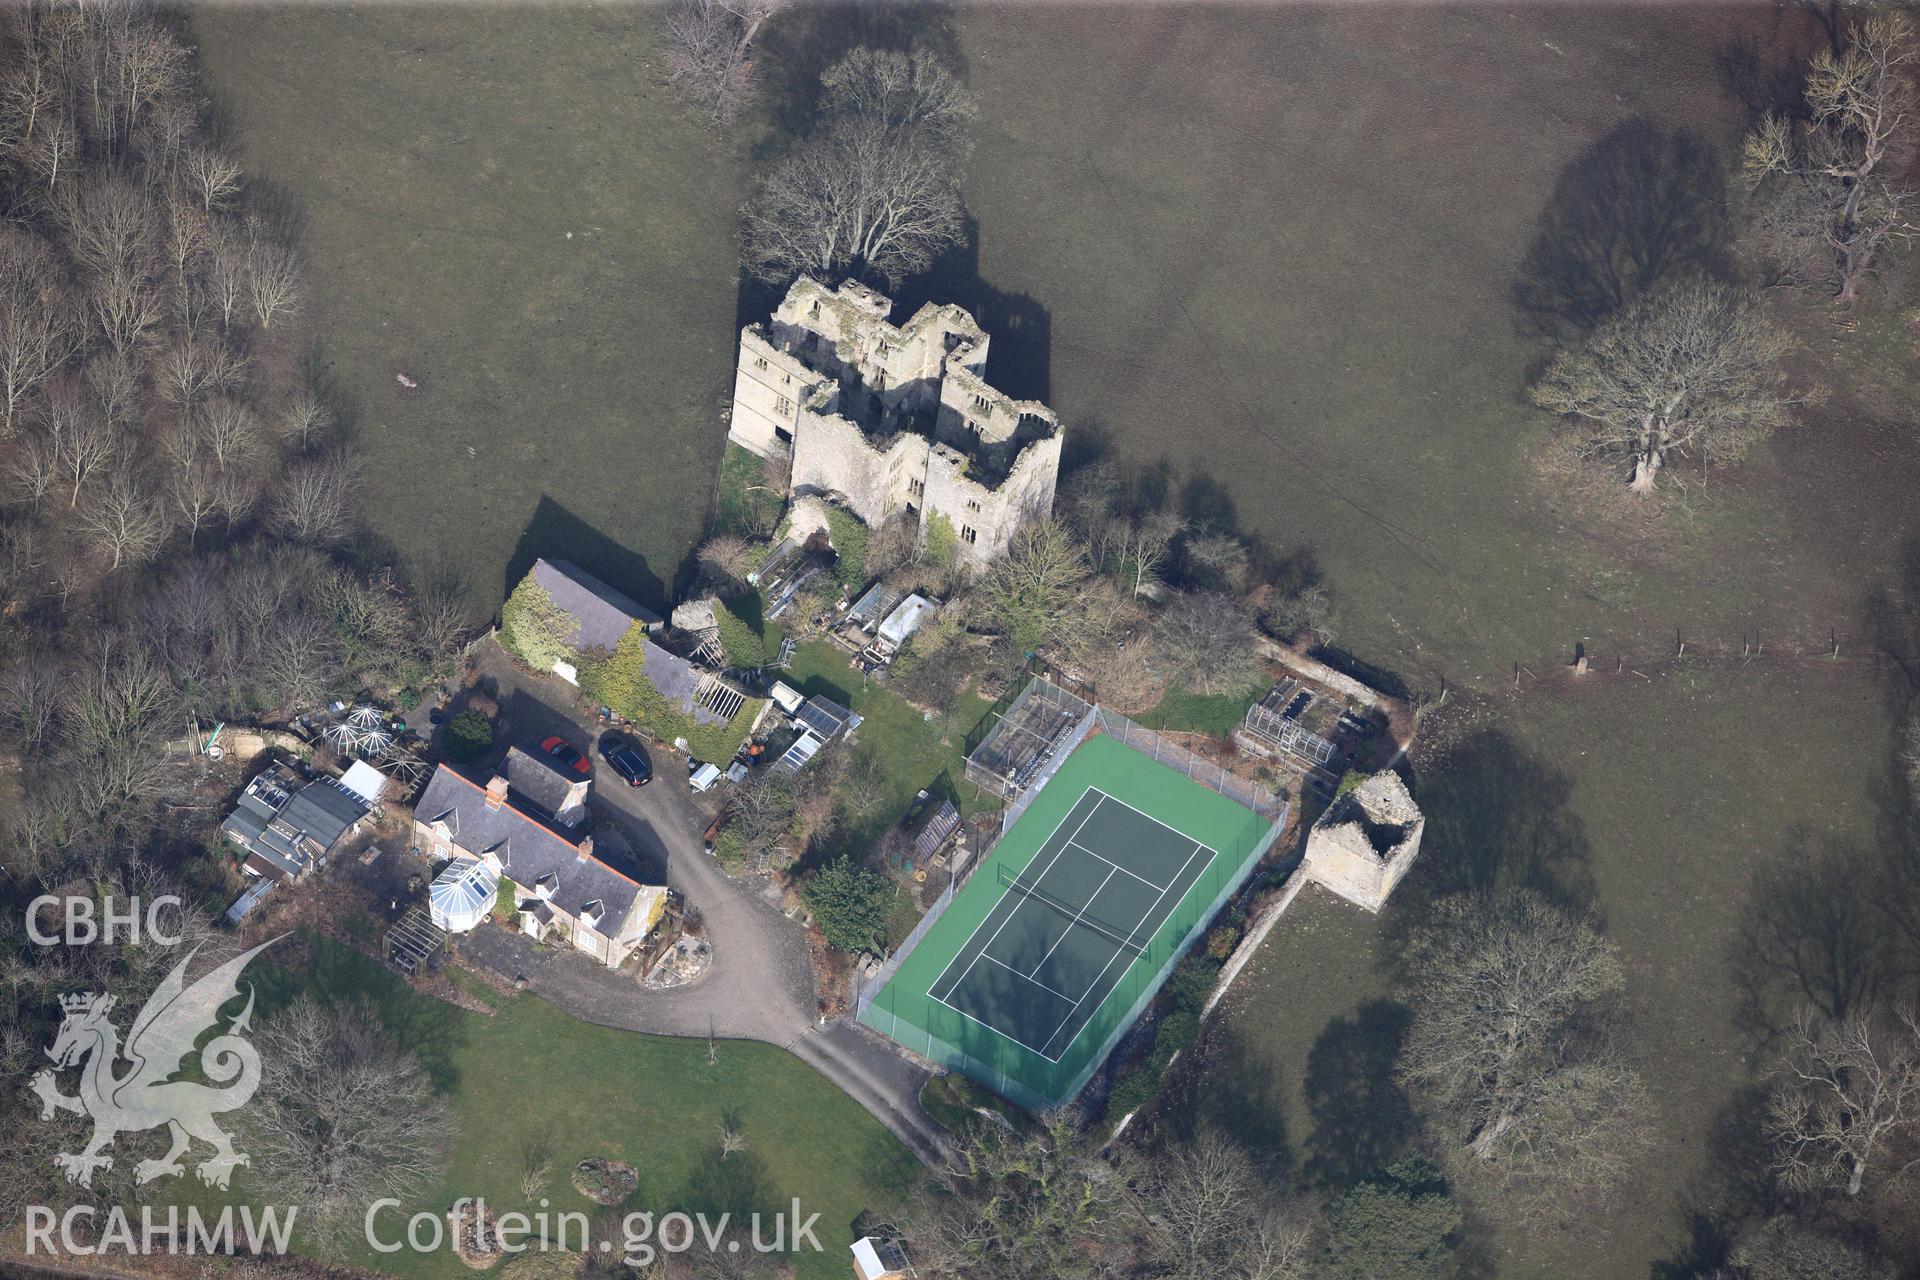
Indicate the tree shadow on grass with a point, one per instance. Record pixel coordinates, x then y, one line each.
1235 1089
1362 1121
738 1184
555 533
1638 206
1498 818
1735 1185
1811 934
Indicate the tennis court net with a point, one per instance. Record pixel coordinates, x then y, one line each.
1122 938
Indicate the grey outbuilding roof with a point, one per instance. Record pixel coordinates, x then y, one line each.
603 613
288 829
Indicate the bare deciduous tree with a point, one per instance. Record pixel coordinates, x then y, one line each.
194 487
343 1115
1836 196
1842 1094
1208 637
122 523
727 554
30 692
1691 367
708 54
37 329
1784 1248
1024 1205
1036 586
273 280
34 467
307 420
81 438
1306 615
214 176
229 432
1204 1211
1508 1052
1217 561
314 501
876 188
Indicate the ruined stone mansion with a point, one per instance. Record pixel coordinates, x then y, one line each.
894 420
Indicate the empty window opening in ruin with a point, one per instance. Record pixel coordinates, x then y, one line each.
967 534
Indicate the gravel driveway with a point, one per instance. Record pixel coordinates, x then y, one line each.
760 983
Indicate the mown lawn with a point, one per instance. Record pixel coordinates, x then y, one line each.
1653 802
531 1078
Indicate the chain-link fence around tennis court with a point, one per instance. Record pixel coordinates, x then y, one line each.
944 1035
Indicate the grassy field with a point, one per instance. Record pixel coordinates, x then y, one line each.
530 1076
1656 803
502 203
1277 247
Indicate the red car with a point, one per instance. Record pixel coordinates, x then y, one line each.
567 754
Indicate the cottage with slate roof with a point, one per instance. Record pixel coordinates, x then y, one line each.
288 825
563 892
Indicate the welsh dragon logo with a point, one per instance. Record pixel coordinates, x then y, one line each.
146 1096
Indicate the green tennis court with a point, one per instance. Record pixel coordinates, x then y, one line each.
1054 946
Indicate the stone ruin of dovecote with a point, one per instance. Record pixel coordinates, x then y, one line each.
894 420
1366 841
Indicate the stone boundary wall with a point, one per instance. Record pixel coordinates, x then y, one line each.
1250 944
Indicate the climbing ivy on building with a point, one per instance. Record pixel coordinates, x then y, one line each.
619 682
850 538
536 630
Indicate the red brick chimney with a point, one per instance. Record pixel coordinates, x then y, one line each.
496 792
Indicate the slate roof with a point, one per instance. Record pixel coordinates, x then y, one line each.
540 779
603 613
528 849
285 829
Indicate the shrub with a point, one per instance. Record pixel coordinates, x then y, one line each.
468 736
1135 1088
1222 941
740 637
536 630
1349 780
849 903
506 902
1395 1227
1192 982
850 538
1178 1030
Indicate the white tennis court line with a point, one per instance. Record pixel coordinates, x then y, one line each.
1029 977
1074 923
1016 910
1117 867
1072 842
1117 953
